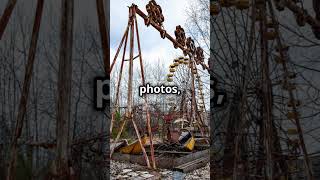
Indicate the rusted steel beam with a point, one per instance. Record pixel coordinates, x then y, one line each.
6 16
119 78
145 97
121 68
131 51
139 50
130 102
25 90
64 89
267 97
296 9
119 134
118 50
142 147
104 35
168 36
307 162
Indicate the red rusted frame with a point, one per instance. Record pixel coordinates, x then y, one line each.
6 16
132 19
118 86
168 36
120 75
25 90
130 103
145 97
121 68
129 114
267 98
118 50
295 8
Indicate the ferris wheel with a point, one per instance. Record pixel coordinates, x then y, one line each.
184 74
260 131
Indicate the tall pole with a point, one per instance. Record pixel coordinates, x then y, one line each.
145 97
308 168
267 95
64 89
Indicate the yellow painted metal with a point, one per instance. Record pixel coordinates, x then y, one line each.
176 63
186 61
135 147
172 66
189 145
172 70
170 75
292 131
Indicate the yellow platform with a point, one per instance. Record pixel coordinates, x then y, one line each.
189 145
135 147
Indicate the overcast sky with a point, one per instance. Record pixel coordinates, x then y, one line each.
152 45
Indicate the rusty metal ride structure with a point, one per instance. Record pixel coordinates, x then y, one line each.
256 145
182 74
155 19
64 82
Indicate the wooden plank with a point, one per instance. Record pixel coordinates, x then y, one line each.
169 152
164 162
192 157
190 166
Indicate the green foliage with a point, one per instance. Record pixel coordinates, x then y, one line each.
117 116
